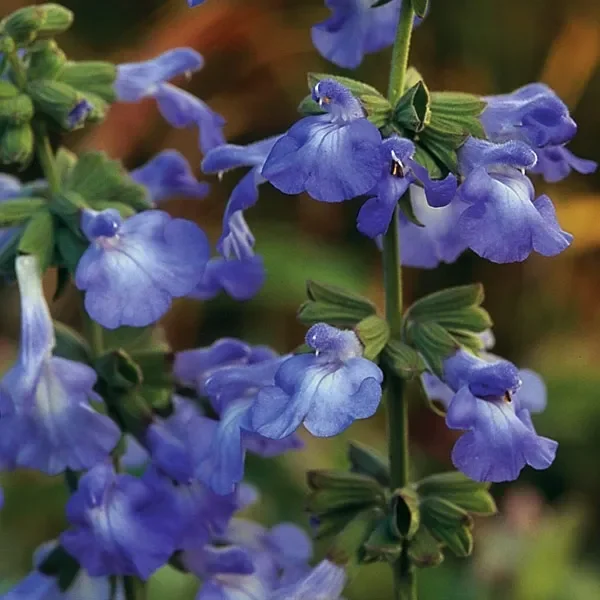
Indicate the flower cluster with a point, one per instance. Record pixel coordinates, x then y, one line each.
189 418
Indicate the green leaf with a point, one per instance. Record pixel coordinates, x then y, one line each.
403 360
424 550
406 515
70 248
366 461
322 479
469 495
8 90
426 159
333 305
433 342
377 107
322 502
382 543
71 345
15 212
420 7
449 524
99 179
440 323
38 238
413 109
374 333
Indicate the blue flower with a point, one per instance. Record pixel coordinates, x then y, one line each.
79 114
46 420
148 79
533 114
195 367
250 561
326 390
120 525
334 156
220 452
492 401
326 580
555 163
354 29
237 271
398 173
169 174
37 586
134 268
503 222
192 3
438 240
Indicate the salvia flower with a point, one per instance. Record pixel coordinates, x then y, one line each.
399 171
492 401
169 174
504 222
238 270
334 156
533 114
149 79
37 586
555 163
437 240
221 451
46 421
134 268
326 390
354 29
77 117
120 525
326 581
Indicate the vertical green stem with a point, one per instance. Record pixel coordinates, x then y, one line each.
404 579
135 588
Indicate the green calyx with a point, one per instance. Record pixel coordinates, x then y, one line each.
31 23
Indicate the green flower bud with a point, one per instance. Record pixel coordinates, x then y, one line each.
91 76
16 144
46 61
57 100
8 90
7 44
27 24
16 110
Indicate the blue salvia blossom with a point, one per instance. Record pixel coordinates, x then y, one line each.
37 586
77 117
438 239
238 270
47 422
332 157
169 174
399 171
119 525
149 79
535 115
220 451
133 268
355 29
326 390
503 221
326 580
250 561
492 401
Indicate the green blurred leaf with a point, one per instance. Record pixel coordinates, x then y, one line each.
374 333
15 212
38 238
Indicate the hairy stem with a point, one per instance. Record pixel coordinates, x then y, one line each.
404 578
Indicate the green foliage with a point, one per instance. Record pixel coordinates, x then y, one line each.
403 360
38 238
439 324
16 212
377 108
333 305
374 333
413 111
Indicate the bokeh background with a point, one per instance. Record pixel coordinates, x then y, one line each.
545 544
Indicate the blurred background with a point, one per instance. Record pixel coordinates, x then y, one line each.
545 544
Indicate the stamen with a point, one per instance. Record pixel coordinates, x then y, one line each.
507 398
397 169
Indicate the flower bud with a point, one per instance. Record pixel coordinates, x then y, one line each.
45 61
8 90
27 24
59 101
16 110
16 144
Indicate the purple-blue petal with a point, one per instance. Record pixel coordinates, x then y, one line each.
231 156
555 163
